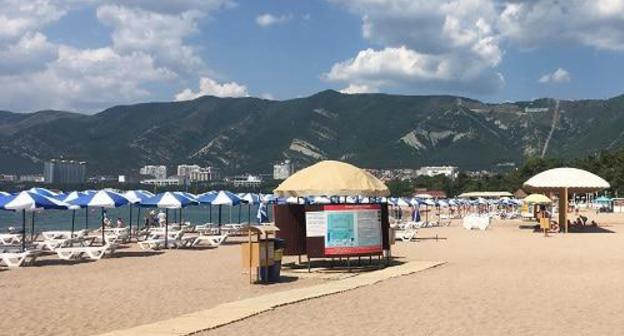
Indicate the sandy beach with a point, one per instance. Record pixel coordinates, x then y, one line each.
504 280
135 287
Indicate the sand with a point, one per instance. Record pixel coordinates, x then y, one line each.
501 281
504 281
134 288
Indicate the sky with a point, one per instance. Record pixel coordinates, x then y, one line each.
87 55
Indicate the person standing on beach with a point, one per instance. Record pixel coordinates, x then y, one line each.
162 219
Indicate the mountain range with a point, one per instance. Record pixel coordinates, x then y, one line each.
370 130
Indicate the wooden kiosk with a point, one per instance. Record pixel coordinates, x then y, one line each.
338 230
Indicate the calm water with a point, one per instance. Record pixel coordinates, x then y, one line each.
62 219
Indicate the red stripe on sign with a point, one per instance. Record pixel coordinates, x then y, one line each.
339 207
340 251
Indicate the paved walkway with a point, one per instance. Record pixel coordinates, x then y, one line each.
235 311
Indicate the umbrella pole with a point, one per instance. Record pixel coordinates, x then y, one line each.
220 219
102 216
249 214
131 219
86 217
138 216
166 228
73 222
239 212
23 230
210 213
32 225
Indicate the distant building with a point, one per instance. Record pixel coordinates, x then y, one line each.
245 181
32 178
185 170
8 178
419 192
535 109
203 175
448 171
162 182
158 172
283 170
64 171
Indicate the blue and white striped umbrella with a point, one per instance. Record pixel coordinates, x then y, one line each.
250 198
319 200
414 202
262 215
188 195
4 199
43 192
100 199
30 201
136 196
267 198
4 193
167 200
222 197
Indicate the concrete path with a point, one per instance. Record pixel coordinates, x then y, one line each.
235 311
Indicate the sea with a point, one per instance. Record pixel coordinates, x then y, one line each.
50 220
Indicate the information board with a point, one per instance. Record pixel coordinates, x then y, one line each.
348 229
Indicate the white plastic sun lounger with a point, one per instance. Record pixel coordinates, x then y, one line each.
211 240
90 252
17 259
176 239
10 238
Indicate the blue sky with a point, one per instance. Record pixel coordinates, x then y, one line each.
86 55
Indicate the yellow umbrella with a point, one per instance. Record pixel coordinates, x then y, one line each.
537 199
332 178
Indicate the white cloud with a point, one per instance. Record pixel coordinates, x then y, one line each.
458 44
558 76
594 23
161 35
267 19
438 46
18 17
355 88
148 47
210 87
30 53
84 79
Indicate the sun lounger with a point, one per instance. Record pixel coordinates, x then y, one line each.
175 239
53 244
17 259
10 238
211 240
90 252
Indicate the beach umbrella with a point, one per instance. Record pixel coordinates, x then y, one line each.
220 199
43 192
30 201
537 199
135 197
206 196
188 195
261 215
101 199
319 200
250 199
167 200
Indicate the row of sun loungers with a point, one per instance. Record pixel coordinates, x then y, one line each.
80 244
